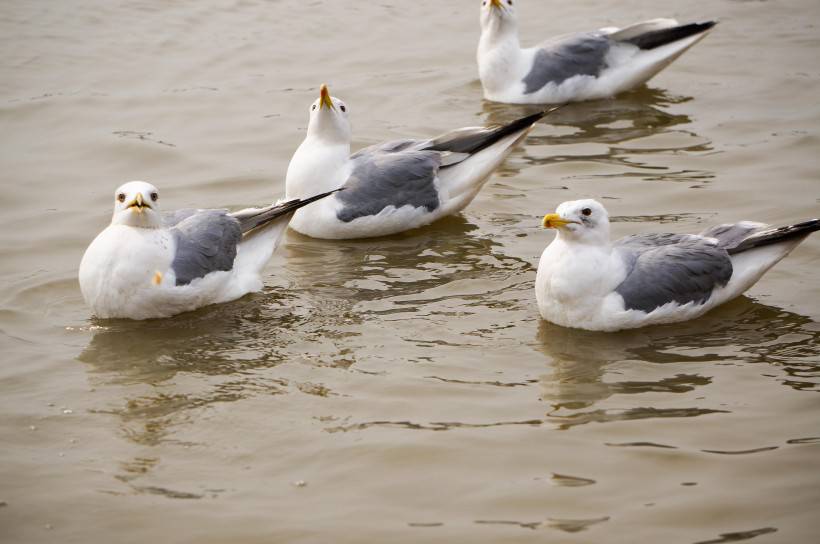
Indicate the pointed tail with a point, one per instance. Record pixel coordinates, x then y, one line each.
254 218
775 235
469 141
663 36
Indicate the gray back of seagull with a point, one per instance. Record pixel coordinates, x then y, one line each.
390 174
663 268
563 58
206 241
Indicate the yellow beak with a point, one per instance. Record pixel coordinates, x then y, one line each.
325 100
138 203
554 221
496 4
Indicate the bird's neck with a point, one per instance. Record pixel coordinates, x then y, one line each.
317 166
136 220
499 34
592 242
499 55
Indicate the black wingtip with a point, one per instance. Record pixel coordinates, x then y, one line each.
520 124
530 120
657 38
777 234
264 216
312 199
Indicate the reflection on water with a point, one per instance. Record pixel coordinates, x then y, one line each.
403 265
616 123
565 525
386 278
788 342
629 116
329 290
216 340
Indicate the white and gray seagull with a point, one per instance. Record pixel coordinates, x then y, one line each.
581 66
394 186
585 281
146 264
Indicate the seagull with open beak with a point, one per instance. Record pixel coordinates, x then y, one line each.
146 264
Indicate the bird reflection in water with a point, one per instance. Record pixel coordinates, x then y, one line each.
742 330
393 271
612 123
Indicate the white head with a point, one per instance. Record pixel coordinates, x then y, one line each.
328 119
580 221
498 15
136 204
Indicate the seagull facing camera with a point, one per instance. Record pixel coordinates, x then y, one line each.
136 204
146 264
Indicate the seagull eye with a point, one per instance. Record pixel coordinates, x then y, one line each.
154 196
121 197
344 109
313 108
586 211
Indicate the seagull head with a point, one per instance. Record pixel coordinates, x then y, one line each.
328 119
136 204
498 14
583 221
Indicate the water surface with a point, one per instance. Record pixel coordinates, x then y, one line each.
400 389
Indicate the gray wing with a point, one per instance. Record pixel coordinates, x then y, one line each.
206 242
559 60
732 234
384 176
171 219
403 172
663 268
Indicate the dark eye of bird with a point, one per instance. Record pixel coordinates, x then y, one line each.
121 197
154 196
586 211
344 109
313 107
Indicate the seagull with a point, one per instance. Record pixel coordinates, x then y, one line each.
582 66
146 264
394 186
584 281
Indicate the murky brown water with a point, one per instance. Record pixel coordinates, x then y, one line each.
400 389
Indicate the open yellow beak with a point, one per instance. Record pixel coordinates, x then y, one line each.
554 221
325 101
138 203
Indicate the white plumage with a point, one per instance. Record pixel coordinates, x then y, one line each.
585 281
394 186
584 66
145 265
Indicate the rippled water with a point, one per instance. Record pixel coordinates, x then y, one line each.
400 389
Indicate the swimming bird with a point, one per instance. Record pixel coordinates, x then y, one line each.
581 66
393 186
147 264
585 281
